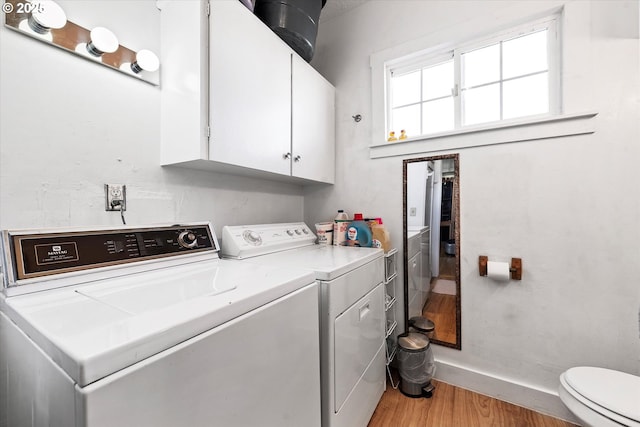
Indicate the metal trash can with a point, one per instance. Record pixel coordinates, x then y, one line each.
415 364
422 325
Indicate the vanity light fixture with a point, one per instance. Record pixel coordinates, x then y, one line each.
102 41
46 21
145 60
45 15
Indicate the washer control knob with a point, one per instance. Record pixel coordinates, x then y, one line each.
290 233
298 232
187 239
305 231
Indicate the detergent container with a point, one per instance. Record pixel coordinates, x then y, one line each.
380 235
324 231
358 232
340 228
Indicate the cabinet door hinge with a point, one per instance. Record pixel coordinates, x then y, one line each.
208 9
208 131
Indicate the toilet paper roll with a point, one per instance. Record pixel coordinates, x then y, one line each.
498 271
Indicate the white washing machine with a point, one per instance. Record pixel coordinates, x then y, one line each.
146 326
352 319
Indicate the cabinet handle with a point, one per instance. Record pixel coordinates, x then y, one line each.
286 156
297 158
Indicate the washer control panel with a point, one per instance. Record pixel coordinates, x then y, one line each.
245 241
50 252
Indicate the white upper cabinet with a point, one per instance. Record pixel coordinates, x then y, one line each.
237 99
250 78
313 124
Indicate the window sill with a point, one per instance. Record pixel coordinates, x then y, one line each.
503 133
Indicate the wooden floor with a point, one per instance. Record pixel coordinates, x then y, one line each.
452 406
447 265
441 310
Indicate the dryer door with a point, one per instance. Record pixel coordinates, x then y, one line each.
359 333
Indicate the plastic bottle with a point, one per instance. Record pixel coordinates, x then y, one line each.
358 232
340 228
380 235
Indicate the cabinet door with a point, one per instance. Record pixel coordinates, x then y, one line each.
250 91
313 124
425 254
184 81
414 289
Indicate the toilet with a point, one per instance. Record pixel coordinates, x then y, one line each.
601 397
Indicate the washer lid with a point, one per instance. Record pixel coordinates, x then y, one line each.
616 391
95 329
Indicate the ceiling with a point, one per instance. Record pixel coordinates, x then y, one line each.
335 8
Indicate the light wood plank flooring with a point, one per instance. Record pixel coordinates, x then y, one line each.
441 310
447 265
452 406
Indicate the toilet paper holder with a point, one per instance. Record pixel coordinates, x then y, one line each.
515 269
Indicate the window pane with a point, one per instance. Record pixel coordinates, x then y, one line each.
407 118
481 66
525 55
437 116
405 89
526 96
437 81
481 105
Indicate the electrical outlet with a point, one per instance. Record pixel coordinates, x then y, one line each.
115 197
412 211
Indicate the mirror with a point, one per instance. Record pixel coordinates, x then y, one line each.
431 218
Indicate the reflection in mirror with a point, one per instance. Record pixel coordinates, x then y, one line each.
431 202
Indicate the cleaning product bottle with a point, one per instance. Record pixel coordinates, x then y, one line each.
358 232
340 228
380 235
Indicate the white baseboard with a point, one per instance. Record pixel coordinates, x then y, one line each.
544 401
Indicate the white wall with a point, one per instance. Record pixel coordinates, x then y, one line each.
569 207
68 126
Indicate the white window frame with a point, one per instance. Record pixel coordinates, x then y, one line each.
417 62
408 67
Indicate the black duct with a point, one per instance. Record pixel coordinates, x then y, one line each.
294 21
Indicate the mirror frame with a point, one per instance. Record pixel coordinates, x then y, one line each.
456 191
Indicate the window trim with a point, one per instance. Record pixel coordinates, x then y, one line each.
420 60
539 128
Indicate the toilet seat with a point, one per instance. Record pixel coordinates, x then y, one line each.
612 394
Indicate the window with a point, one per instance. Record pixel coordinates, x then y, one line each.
507 76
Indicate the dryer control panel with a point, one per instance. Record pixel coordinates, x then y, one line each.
246 241
42 253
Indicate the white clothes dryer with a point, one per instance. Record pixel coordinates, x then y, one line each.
146 326
352 318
